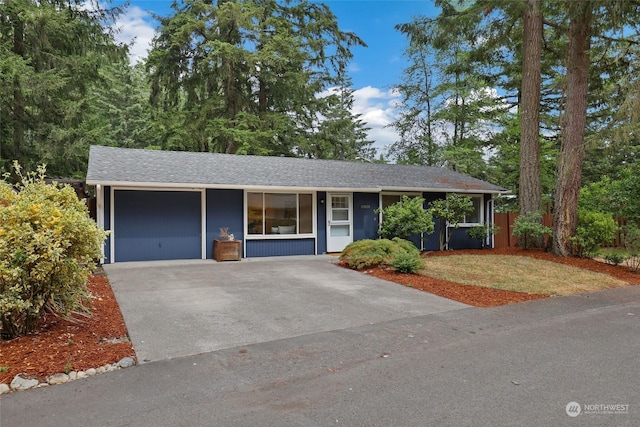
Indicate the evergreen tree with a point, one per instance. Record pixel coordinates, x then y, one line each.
339 134
243 76
52 52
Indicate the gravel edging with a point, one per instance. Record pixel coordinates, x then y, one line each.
25 382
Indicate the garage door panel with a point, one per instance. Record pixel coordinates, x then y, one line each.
157 225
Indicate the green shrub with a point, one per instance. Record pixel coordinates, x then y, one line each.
405 218
593 229
48 244
482 232
632 244
397 253
406 245
450 211
529 229
614 258
407 263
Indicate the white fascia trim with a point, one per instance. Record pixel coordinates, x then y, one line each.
442 190
198 186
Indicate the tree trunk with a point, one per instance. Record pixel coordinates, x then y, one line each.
565 212
530 193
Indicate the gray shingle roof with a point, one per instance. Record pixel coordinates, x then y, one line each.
134 167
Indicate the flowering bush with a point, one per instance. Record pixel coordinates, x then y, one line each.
48 248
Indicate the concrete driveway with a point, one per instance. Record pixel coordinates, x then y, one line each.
181 308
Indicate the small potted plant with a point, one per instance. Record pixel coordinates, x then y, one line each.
226 247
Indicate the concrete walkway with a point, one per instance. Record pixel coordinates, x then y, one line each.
181 308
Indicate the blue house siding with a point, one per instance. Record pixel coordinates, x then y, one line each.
431 242
459 238
280 247
224 209
157 225
365 220
321 223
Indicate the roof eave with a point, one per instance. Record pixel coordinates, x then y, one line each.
164 185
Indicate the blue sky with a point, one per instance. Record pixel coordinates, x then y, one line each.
374 70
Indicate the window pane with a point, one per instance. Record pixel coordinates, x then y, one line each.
475 216
340 214
306 213
254 213
390 199
280 213
339 202
339 231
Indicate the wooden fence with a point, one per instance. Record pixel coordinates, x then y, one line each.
505 238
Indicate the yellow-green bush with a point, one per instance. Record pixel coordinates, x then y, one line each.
400 254
48 248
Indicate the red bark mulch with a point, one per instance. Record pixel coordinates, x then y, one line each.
61 346
487 297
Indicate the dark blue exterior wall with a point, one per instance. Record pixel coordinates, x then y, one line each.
224 209
107 222
431 242
322 222
157 225
459 238
365 220
280 247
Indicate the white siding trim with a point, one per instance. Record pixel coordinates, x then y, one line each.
203 223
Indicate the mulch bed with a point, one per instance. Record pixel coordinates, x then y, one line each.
61 345
486 297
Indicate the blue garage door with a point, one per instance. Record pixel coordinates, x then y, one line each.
157 225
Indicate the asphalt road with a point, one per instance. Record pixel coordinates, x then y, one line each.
513 365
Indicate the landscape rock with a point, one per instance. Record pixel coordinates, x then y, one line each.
126 362
4 388
23 383
81 374
91 372
58 379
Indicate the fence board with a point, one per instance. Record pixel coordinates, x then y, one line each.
505 238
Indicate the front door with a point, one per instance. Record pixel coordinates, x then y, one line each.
339 222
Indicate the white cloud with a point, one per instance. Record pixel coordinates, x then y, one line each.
135 28
377 109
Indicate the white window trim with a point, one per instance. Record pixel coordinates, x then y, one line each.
314 216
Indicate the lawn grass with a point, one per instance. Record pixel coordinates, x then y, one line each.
517 273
